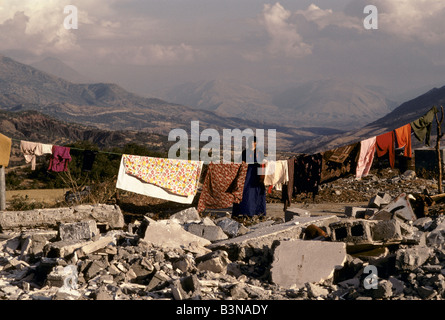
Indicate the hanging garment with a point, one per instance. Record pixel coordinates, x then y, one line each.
422 126
31 150
276 174
385 145
339 162
403 139
176 176
366 157
288 188
60 159
132 184
5 150
223 185
88 160
307 173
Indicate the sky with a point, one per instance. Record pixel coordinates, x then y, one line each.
148 45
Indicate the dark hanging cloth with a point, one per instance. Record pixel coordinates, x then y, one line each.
254 191
339 162
307 174
88 160
422 126
287 189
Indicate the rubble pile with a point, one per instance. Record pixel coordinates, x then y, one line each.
392 248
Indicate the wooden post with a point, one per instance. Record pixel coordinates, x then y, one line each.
438 154
2 189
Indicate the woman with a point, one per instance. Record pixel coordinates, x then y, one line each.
254 192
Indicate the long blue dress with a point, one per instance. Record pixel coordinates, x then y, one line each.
254 192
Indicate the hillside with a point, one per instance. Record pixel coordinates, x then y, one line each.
405 113
110 107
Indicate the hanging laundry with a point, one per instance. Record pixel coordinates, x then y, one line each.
5 150
223 185
288 188
307 174
88 160
276 174
422 126
130 183
59 159
403 139
339 162
177 176
385 145
366 157
31 150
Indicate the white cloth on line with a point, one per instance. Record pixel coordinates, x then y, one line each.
130 183
276 174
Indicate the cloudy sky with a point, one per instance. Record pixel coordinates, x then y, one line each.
146 45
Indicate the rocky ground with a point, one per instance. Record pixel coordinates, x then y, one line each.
124 264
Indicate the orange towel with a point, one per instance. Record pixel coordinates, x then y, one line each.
403 136
384 145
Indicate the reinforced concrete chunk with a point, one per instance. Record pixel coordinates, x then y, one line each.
297 262
84 230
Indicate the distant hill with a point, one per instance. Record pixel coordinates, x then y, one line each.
325 103
59 69
109 107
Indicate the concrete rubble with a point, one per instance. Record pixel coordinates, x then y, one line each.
379 251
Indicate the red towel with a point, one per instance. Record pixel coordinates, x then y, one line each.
384 145
403 136
59 159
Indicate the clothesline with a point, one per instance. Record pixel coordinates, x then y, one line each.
79 149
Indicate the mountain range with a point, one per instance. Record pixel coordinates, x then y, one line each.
330 103
110 111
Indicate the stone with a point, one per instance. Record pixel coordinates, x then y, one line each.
296 262
159 279
379 200
186 216
315 291
84 230
423 224
411 258
209 232
436 236
426 292
401 208
215 261
230 227
387 230
383 291
398 286
170 234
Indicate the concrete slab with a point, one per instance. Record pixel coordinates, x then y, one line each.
297 262
264 237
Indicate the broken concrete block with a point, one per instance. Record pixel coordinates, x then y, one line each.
110 215
92 246
355 212
32 243
437 236
290 213
63 276
315 291
411 258
215 261
352 231
387 230
211 233
171 234
383 291
231 227
264 237
188 215
159 280
401 208
84 230
297 262
379 200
